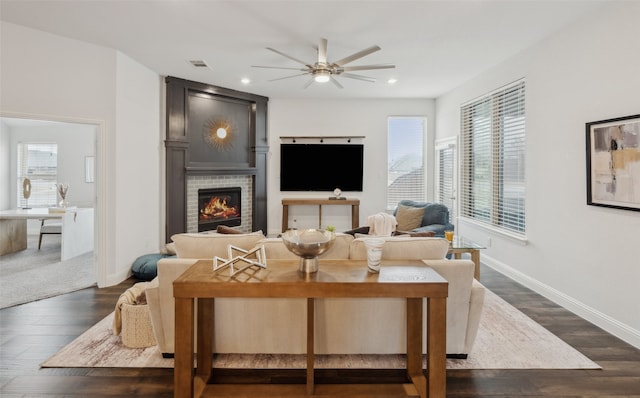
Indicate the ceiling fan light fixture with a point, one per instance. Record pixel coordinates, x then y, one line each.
322 71
322 76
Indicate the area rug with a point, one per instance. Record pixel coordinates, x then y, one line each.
507 339
33 274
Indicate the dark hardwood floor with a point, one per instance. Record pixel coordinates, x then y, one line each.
32 332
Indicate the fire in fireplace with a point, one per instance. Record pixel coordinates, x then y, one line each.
219 206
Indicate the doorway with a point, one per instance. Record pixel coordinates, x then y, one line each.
80 154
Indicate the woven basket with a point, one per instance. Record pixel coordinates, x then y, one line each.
137 331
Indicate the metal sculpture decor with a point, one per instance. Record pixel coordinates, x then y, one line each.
26 192
244 259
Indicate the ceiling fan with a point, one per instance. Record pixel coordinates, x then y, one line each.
323 71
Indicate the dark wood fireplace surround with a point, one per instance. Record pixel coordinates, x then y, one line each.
191 106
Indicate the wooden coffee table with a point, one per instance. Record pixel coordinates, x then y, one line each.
336 278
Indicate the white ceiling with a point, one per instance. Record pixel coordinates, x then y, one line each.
435 45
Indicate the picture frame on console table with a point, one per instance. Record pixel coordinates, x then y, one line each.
613 163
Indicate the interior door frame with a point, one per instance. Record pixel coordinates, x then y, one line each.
448 143
100 233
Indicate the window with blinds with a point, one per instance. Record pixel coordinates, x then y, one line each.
492 189
39 163
445 185
405 159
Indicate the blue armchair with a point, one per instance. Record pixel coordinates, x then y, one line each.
435 218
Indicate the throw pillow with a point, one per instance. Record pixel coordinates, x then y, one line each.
223 229
424 234
146 267
409 217
359 230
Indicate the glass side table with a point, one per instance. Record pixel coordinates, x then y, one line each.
462 245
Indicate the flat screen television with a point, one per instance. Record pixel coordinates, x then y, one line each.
321 167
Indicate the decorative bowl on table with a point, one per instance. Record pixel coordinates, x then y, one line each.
308 244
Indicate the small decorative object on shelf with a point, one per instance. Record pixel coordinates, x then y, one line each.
62 191
245 258
337 192
308 244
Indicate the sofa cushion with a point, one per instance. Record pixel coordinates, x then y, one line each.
403 248
409 217
191 245
274 248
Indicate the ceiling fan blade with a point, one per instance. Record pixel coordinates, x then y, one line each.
276 67
288 77
337 83
359 77
308 83
322 51
368 67
289 56
357 55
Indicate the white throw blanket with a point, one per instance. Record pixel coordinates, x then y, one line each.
382 224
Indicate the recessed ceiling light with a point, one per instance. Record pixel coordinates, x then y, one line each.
245 80
392 81
199 63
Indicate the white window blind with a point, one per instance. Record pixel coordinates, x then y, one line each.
493 154
39 163
405 159
446 158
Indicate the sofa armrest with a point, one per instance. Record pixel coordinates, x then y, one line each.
437 228
161 302
476 303
459 274
153 301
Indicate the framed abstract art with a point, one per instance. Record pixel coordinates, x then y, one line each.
613 163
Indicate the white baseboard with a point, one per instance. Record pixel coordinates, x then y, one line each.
611 325
115 279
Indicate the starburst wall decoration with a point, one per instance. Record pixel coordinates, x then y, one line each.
219 134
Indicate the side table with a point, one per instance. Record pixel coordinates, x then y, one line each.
461 245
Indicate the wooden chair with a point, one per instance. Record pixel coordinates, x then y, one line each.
48 230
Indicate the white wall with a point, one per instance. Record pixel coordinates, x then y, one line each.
358 117
51 77
137 150
585 258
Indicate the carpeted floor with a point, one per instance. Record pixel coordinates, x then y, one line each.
33 274
507 339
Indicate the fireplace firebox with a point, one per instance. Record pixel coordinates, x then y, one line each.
219 206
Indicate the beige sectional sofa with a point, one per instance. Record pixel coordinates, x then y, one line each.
343 326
